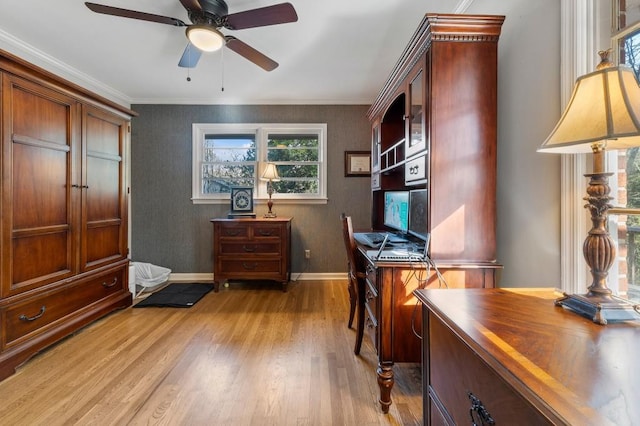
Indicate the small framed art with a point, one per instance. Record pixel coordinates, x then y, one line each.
357 163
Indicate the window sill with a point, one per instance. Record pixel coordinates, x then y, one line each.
264 201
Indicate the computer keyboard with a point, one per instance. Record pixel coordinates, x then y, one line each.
374 239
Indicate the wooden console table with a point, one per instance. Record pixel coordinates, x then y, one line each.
390 316
513 356
253 249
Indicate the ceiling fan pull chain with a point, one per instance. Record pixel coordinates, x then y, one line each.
189 55
222 63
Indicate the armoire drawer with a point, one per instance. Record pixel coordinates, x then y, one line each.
28 317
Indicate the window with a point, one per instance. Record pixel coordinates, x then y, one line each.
227 155
625 225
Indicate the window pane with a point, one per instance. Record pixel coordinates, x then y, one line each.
297 186
298 170
628 13
629 47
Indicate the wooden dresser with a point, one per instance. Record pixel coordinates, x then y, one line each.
252 249
63 238
515 357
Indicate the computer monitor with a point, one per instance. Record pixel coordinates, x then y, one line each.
396 210
418 214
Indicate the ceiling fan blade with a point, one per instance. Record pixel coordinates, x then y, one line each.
248 52
277 14
191 4
190 56
126 13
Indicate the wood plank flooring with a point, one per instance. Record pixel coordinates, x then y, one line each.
248 355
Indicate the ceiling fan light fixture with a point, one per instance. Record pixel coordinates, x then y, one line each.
205 38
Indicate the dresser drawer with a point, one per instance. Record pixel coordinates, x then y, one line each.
457 375
234 230
267 230
246 267
251 247
26 318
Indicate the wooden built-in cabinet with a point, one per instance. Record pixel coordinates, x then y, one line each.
63 238
252 249
434 127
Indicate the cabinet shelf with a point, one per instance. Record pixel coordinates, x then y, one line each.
392 157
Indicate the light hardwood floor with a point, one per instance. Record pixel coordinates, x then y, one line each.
248 355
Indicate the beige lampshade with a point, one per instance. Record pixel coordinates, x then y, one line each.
270 173
604 107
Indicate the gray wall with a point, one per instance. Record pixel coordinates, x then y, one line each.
169 230
528 109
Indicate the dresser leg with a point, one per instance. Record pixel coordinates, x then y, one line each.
216 286
385 383
284 286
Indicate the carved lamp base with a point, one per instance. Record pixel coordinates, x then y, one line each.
600 309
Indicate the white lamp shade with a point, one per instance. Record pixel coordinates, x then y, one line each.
604 107
270 173
205 38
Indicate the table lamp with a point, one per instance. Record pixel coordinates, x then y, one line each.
270 174
603 113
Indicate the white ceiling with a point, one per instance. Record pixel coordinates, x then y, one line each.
338 52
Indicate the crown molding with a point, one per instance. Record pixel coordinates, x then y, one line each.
39 58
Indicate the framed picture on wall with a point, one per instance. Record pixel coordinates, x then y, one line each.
357 163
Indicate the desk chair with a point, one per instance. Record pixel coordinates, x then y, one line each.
357 282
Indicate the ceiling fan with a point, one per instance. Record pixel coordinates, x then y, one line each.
207 17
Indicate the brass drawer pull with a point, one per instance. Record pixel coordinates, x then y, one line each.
249 266
231 232
33 318
265 233
249 249
108 285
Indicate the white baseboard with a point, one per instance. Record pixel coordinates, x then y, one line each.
295 276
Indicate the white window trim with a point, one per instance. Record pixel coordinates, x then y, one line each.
580 39
261 130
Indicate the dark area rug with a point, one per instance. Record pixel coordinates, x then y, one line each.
176 296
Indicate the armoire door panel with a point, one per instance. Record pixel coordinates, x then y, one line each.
39 170
103 192
105 242
39 117
104 202
40 178
52 253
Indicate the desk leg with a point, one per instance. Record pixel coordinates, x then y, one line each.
385 382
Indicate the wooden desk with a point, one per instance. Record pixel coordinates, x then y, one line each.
390 308
527 361
252 249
